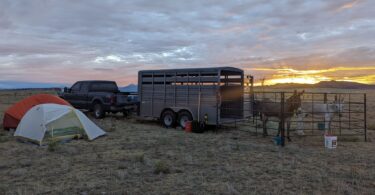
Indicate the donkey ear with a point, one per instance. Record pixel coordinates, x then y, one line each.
335 97
302 92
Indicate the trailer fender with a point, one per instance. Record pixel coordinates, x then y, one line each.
179 109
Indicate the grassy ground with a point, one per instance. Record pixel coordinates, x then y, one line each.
143 158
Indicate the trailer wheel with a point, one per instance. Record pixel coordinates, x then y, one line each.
168 118
98 111
183 117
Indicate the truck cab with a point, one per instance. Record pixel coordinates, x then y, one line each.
101 97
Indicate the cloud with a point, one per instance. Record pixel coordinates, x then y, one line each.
348 5
104 69
109 58
65 41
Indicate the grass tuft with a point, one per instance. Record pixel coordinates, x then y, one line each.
53 145
3 139
161 167
122 166
139 157
3 133
236 147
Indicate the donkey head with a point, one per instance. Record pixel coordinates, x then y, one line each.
294 101
338 105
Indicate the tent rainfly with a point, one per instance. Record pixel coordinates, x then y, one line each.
14 114
46 122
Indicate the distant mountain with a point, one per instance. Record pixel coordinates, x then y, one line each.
29 85
5 85
129 88
343 85
134 88
325 84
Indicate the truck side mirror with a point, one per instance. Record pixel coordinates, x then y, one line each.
67 90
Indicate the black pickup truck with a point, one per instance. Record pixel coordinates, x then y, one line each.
101 97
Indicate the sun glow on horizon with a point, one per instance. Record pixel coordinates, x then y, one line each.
290 75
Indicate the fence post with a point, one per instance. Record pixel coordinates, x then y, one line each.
282 119
325 98
350 110
251 97
365 114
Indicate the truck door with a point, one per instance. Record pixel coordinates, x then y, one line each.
82 95
71 97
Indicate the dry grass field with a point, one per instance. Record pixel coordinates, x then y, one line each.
143 158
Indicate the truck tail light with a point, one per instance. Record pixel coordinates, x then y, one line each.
113 99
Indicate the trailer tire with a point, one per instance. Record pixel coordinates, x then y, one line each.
183 117
168 119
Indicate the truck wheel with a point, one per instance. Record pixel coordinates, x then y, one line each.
98 111
183 117
168 118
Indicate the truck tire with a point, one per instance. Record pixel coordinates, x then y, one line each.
98 111
168 118
183 117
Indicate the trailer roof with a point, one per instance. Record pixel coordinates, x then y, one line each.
208 69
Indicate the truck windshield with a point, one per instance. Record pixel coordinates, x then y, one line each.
104 86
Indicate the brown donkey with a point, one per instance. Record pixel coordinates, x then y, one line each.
267 108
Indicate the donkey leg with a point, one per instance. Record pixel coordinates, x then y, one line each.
279 129
265 119
288 130
300 125
327 125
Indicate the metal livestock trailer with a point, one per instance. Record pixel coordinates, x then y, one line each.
175 96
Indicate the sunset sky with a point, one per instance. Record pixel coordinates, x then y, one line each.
62 41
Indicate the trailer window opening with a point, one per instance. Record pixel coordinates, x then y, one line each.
193 78
209 74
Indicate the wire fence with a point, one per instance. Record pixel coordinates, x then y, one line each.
305 113
8 97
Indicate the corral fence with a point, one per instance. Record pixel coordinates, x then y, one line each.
341 114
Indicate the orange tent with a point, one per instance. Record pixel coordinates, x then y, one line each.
15 113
